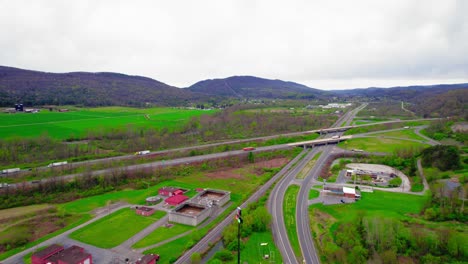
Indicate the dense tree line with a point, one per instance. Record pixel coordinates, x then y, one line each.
56 190
371 239
233 123
443 157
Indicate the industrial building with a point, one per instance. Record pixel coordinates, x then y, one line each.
176 199
341 191
189 214
170 191
212 197
148 259
56 254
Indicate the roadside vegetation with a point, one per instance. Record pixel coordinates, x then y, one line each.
380 144
237 175
446 130
384 110
394 227
289 210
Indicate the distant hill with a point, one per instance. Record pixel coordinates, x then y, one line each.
91 89
254 87
401 92
440 100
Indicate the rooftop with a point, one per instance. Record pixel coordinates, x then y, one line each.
48 250
73 254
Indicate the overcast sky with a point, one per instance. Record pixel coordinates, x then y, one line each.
322 44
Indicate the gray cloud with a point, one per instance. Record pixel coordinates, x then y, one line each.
324 44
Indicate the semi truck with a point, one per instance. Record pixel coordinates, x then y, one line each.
6 171
143 152
248 149
55 164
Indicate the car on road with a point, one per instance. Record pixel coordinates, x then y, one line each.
248 149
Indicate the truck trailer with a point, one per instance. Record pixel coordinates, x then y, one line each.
55 164
143 152
6 171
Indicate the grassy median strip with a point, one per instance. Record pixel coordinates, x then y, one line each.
289 210
308 166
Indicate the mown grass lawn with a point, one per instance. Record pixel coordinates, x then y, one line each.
289 210
379 144
378 203
114 229
162 233
313 194
254 252
407 133
77 122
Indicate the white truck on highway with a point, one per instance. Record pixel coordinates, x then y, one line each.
56 164
335 137
6 171
143 152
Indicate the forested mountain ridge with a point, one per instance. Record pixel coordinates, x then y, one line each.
255 87
84 88
34 88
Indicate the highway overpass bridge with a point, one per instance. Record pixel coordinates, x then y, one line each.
320 142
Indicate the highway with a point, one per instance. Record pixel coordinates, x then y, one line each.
275 207
215 233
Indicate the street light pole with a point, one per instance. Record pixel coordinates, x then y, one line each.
239 222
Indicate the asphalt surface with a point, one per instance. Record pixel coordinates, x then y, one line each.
215 233
275 207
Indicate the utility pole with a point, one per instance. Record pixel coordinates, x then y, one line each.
239 223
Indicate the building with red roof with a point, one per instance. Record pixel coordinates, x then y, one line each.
148 259
56 254
167 191
176 199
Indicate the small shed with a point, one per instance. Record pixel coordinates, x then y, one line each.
349 192
176 199
144 211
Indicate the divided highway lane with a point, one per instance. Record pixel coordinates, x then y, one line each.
173 162
275 207
215 233
302 210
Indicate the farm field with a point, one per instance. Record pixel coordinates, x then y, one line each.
379 144
63 125
126 221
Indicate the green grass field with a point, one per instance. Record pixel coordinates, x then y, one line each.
289 210
122 224
313 194
77 123
162 233
407 133
379 144
378 203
